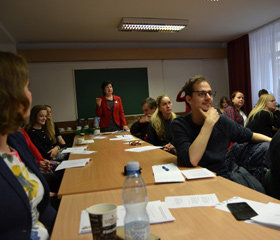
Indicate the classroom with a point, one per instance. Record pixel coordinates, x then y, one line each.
61 39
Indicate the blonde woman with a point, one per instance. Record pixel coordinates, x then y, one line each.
39 133
159 128
264 116
53 129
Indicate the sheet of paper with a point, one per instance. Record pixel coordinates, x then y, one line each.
142 149
123 137
269 216
89 141
157 211
205 200
74 149
83 152
167 173
257 206
72 163
99 137
198 173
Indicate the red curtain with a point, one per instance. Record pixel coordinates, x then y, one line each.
239 69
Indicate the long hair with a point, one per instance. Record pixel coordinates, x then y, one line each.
32 120
13 79
158 120
50 126
260 106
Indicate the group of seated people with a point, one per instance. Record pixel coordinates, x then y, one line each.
217 139
201 137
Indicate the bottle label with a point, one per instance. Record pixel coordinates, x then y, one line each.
137 230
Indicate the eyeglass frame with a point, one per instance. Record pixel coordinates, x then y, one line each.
210 93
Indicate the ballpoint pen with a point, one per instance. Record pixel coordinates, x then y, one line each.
165 168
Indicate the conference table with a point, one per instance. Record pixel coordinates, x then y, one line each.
190 223
106 169
101 181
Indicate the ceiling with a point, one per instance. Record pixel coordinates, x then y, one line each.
32 22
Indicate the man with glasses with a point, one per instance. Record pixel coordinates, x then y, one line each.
202 137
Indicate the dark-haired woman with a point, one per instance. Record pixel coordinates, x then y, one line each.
110 110
223 104
235 112
24 194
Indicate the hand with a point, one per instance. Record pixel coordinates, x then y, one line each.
145 119
168 147
211 116
98 102
45 164
53 152
126 128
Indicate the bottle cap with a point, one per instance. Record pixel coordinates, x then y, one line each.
132 166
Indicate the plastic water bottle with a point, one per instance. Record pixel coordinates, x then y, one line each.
135 200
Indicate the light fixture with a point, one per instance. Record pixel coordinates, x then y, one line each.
152 25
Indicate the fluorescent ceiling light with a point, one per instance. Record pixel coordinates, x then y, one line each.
152 25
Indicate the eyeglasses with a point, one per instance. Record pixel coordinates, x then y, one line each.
203 94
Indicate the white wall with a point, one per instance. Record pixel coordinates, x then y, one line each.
53 83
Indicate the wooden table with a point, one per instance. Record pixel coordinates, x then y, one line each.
105 170
191 223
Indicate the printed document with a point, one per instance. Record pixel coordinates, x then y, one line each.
157 211
205 200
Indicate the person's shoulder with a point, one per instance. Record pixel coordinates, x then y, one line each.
183 118
229 108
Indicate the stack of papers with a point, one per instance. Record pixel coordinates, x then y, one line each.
73 163
198 173
167 173
268 214
157 211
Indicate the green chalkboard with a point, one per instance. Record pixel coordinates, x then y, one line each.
131 84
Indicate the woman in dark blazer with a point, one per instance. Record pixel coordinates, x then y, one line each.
24 194
110 110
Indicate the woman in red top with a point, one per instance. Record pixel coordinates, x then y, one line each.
110 110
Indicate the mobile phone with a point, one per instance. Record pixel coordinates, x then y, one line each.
241 211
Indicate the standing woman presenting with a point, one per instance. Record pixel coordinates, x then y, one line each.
24 194
110 110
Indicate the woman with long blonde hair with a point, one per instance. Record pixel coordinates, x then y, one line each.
159 129
53 129
264 116
40 135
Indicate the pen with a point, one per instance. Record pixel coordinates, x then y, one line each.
165 168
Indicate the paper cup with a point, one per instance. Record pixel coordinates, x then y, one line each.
97 131
103 220
80 140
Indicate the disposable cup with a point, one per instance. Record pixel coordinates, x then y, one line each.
103 220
